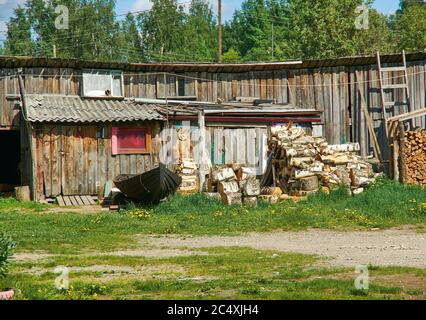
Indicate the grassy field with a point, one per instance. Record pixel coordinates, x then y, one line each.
76 239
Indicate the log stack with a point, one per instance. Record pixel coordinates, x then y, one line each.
415 157
188 171
235 184
302 162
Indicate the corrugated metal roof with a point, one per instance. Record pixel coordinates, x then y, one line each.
74 109
31 62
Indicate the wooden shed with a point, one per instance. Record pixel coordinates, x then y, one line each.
338 88
76 145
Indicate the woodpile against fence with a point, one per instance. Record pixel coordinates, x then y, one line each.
414 157
300 163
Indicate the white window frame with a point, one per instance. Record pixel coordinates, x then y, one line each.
112 74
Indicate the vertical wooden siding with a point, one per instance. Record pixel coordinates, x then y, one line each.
72 160
224 145
332 90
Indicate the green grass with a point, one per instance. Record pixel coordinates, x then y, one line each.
385 205
224 273
232 273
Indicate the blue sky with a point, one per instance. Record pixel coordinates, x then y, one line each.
123 6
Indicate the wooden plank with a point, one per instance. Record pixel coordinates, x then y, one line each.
251 144
228 147
92 202
47 163
61 201
74 201
79 165
241 147
67 201
85 200
79 201
56 158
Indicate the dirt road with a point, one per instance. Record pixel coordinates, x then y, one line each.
402 247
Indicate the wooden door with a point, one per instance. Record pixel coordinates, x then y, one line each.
79 160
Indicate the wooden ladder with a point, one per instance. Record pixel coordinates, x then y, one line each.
384 88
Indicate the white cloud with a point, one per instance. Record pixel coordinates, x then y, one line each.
6 10
141 5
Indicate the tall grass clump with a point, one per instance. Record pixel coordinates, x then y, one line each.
6 251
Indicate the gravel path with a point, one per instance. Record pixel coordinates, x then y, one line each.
396 247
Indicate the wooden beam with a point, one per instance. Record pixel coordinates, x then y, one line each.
409 115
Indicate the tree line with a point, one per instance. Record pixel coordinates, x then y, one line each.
261 30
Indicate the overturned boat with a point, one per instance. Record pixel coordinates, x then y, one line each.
149 187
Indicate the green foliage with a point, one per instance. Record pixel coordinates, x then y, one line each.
231 56
261 30
6 251
410 26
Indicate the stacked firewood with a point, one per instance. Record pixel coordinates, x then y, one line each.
415 157
301 162
234 184
188 171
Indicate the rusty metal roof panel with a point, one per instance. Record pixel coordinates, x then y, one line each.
74 109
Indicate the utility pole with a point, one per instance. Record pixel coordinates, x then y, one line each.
219 40
54 51
273 41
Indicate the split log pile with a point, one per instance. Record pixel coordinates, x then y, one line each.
234 184
301 162
415 157
188 171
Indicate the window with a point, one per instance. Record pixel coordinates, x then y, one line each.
131 140
176 87
102 83
181 87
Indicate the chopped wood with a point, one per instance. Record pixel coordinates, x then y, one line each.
305 184
299 161
222 174
210 186
228 187
23 194
213 195
338 159
250 201
232 198
251 187
245 173
413 157
271 191
351 147
270 199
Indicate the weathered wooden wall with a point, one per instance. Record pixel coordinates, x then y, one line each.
224 145
333 90
330 89
72 160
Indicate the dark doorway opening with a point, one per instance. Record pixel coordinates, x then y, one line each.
10 150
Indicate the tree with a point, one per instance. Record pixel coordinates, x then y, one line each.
231 56
409 25
130 41
162 29
200 32
251 31
19 40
